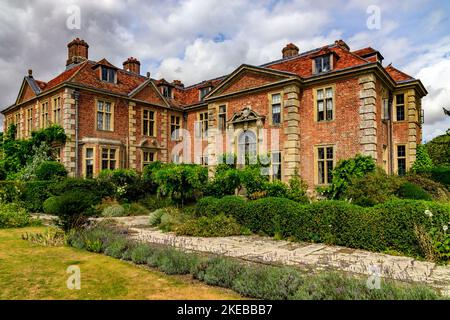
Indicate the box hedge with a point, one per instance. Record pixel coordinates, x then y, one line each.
385 227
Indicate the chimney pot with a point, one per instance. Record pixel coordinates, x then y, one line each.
30 73
290 50
148 74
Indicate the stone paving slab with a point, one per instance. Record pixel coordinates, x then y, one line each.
305 255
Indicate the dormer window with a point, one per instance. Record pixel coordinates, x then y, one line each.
204 92
322 64
167 91
108 75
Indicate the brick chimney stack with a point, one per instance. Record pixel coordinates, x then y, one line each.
132 65
78 51
178 83
290 50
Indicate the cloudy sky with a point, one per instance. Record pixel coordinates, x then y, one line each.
193 40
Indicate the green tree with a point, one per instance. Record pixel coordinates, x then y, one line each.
18 153
423 161
439 150
345 171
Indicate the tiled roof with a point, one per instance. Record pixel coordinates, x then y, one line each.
397 75
86 74
302 64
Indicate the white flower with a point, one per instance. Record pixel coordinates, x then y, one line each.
428 213
445 228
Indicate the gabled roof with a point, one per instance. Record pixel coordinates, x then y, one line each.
276 75
105 63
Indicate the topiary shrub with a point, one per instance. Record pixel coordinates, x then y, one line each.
50 170
268 215
207 206
13 216
338 223
411 191
72 208
90 186
215 226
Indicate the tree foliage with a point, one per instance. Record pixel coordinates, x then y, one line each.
345 171
439 150
423 161
16 154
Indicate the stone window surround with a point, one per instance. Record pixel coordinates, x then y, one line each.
316 160
155 127
54 109
96 101
269 99
324 87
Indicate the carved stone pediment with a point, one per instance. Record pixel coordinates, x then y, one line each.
150 143
246 115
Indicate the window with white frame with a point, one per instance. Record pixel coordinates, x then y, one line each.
322 64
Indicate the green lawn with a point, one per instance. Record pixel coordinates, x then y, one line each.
30 271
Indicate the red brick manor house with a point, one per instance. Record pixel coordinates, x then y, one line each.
321 106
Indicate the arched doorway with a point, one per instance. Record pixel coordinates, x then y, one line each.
247 149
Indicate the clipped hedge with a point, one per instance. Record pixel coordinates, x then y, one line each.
269 215
387 227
